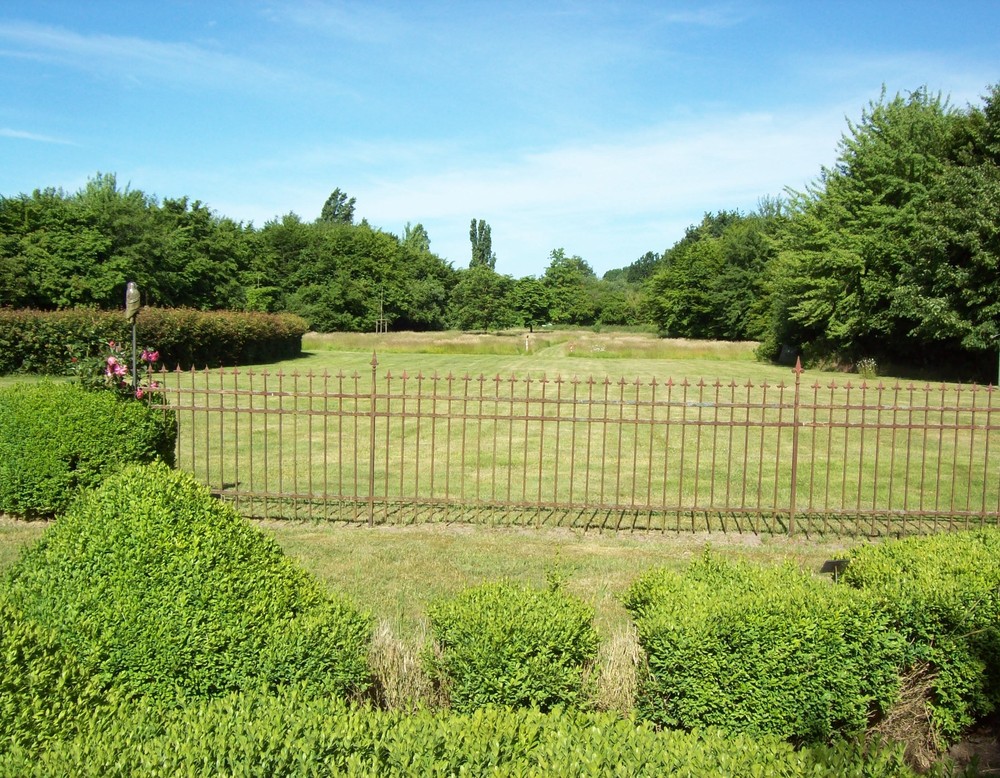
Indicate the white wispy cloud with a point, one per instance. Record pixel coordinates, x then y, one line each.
361 22
6 132
133 58
609 201
720 158
720 15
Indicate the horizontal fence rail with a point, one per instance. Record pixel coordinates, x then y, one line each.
602 453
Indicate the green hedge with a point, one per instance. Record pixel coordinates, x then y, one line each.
294 735
166 592
508 644
762 651
56 439
58 342
943 593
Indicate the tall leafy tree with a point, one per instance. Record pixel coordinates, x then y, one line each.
710 284
480 300
338 208
892 253
529 300
416 237
572 288
482 245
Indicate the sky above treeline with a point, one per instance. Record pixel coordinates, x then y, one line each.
603 128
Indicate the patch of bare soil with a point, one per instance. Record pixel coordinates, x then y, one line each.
982 747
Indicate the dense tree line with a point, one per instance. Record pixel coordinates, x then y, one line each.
892 254
60 250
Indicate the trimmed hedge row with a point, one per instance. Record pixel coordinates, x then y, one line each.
762 651
54 342
942 592
164 592
58 439
295 735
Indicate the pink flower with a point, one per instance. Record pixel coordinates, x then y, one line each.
139 394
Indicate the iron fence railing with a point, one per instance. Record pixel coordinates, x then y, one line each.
606 453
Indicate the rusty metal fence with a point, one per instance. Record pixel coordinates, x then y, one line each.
614 454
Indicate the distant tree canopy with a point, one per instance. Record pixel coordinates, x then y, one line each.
893 253
59 250
710 284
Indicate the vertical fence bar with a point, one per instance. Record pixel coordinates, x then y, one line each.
387 441
795 447
371 442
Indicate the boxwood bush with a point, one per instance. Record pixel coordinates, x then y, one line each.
166 592
290 734
510 644
943 593
44 691
56 439
762 651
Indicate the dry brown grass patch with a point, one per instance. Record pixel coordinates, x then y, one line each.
909 721
617 668
401 683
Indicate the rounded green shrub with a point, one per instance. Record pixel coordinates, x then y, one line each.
57 439
167 592
508 644
44 691
762 651
943 593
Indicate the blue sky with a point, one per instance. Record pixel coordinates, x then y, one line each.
604 128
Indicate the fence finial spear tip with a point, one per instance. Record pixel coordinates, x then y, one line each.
798 365
374 362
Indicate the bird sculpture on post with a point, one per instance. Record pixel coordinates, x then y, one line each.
132 306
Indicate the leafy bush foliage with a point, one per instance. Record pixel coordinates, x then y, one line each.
761 651
56 439
293 735
43 689
52 342
509 644
167 592
943 593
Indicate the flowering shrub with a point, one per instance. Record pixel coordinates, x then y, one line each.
113 372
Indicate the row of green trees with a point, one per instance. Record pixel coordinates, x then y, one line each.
891 254
60 250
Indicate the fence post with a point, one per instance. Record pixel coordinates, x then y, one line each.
795 446
371 445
